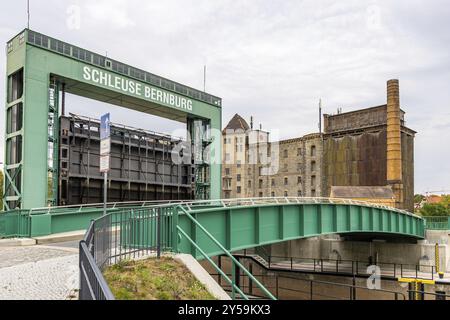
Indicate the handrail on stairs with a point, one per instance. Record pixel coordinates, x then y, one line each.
225 251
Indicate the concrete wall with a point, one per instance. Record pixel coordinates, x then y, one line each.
297 286
422 253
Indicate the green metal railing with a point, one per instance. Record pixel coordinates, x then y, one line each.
437 223
235 262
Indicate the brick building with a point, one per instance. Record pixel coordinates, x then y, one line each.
366 148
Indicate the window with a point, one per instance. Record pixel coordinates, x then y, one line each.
227 195
313 181
238 163
227 157
313 151
15 86
286 153
299 180
249 171
273 182
299 151
238 178
10 46
299 167
261 195
224 140
313 166
239 190
299 193
286 181
261 183
227 171
313 193
285 193
273 194
249 183
227 183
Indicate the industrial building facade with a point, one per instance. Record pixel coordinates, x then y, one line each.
367 148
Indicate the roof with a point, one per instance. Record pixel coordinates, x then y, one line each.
353 192
237 123
434 199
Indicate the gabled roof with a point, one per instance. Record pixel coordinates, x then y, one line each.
236 123
354 192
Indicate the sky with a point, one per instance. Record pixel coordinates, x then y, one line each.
272 60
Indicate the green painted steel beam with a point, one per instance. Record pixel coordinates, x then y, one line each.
245 227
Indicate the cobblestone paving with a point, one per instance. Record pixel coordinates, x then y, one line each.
19 255
38 273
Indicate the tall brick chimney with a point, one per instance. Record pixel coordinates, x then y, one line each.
394 139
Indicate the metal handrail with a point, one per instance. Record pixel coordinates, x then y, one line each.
226 252
269 259
350 286
97 273
231 282
230 203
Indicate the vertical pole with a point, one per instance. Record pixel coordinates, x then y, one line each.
63 99
250 282
220 267
277 292
175 230
158 233
105 191
354 288
28 14
436 257
233 280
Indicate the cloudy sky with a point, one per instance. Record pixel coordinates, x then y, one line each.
271 59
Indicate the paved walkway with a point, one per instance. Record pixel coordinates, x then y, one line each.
39 272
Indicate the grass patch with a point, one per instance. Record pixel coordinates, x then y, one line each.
153 279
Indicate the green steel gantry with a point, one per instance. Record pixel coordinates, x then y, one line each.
39 66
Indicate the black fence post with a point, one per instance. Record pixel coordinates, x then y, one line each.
220 267
250 282
277 292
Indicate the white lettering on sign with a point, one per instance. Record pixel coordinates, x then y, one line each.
135 88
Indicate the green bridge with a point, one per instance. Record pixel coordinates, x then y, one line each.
206 229
237 224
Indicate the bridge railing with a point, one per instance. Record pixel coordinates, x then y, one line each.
217 202
437 223
135 233
342 266
124 235
235 263
290 287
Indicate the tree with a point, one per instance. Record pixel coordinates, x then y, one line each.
418 198
437 209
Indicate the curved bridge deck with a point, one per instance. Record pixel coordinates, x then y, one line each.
247 223
236 223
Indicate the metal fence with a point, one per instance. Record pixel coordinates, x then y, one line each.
288 288
340 266
125 235
437 223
